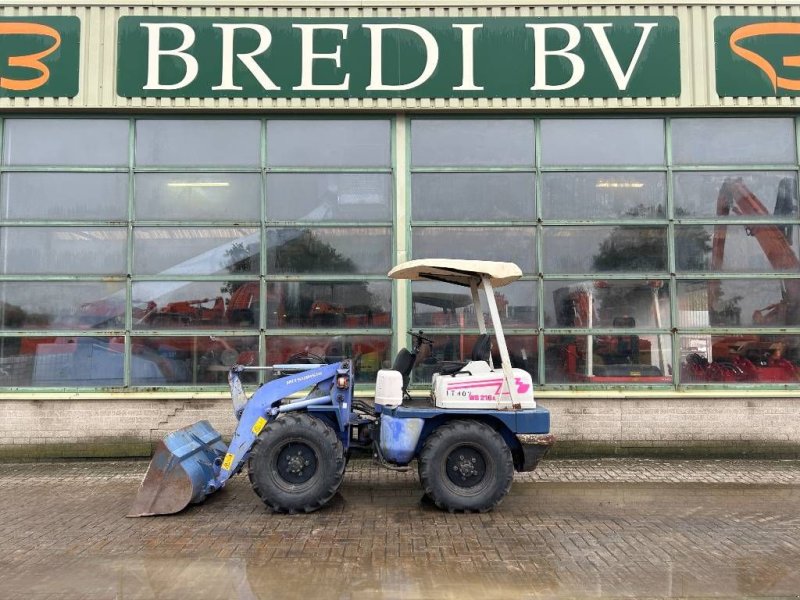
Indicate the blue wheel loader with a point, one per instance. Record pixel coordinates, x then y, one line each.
479 424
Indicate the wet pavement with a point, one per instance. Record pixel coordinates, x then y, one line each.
609 528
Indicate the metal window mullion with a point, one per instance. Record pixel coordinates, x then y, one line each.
606 223
473 224
540 341
733 168
327 170
165 169
472 169
262 268
401 288
673 284
604 169
128 357
328 224
62 169
594 276
325 332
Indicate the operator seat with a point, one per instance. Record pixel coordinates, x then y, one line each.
481 350
404 363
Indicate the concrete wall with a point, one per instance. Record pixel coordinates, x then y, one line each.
691 427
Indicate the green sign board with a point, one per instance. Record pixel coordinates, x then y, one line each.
39 56
398 58
757 56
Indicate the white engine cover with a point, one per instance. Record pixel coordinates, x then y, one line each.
389 388
483 388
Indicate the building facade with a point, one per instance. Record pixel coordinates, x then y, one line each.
188 185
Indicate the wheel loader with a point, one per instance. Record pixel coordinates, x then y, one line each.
479 424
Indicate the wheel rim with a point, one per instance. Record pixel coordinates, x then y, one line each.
465 467
296 463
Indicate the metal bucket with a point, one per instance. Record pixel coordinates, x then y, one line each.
182 471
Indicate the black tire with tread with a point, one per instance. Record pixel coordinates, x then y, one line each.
281 495
474 436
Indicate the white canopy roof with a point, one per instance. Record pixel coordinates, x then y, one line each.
459 272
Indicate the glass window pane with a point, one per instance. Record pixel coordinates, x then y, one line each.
198 196
335 143
523 351
739 303
62 305
329 197
190 360
630 358
196 250
575 250
195 304
472 142
437 304
81 142
64 196
370 353
473 196
62 361
607 303
746 358
753 194
329 304
513 244
602 142
63 250
329 250
733 140
739 248
587 196
198 142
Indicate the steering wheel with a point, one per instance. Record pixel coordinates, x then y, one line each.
419 339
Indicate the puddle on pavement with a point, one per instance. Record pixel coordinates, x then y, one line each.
237 579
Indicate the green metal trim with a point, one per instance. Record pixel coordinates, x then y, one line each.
128 359
263 263
671 253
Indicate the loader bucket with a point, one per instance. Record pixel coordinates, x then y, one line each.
182 471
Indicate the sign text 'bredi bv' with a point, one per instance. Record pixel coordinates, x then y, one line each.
421 57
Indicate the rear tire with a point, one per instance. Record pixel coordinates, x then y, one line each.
297 464
466 465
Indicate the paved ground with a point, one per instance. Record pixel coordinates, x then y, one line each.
607 528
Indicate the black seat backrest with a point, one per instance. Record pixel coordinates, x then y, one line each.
482 347
404 362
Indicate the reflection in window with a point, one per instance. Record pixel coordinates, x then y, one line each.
750 358
196 250
604 249
63 250
195 305
65 142
62 305
625 357
739 303
329 304
607 303
329 197
472 142
513 244
65 361
328 143
369 353
198 196
473 196
587 196
736 248
329 250
458 347
745 194
442 305
197 142
567 142
733 140
191 360
64 196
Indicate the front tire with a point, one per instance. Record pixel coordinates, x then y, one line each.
297 464
466 465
